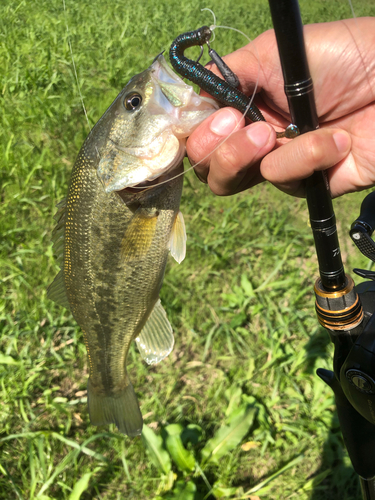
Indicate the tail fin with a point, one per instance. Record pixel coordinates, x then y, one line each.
122 410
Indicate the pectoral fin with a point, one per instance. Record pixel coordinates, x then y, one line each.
177 243
156 339
138 235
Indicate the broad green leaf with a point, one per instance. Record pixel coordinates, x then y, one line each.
80 486
7 360
228 436
233 395
183 458
247 286
154 446
167 482
192 434
220 491
182 491
238 320
235 413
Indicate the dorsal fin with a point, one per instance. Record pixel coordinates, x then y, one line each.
58 233
156 339
57 291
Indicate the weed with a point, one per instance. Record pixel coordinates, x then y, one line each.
241 304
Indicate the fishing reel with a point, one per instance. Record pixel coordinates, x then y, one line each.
348 315
357 373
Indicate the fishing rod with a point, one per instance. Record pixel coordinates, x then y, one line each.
345 310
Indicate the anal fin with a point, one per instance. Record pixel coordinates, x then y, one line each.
156 339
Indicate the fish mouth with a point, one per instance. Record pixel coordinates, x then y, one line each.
148 184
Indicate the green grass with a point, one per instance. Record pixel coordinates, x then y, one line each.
241 304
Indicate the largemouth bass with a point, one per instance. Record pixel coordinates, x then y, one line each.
113 240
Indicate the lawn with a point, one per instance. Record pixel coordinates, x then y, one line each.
236 411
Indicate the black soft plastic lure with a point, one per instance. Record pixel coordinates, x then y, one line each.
224 91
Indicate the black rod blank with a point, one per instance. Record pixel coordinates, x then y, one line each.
299 90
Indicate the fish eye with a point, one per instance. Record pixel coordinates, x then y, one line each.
132 101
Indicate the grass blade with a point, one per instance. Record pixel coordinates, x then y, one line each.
228 436
65 462
261 485
81 485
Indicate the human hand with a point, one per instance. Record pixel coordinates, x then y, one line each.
341 58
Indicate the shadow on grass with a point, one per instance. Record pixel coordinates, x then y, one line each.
342 483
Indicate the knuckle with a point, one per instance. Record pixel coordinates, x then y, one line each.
313 150
218 189
228 156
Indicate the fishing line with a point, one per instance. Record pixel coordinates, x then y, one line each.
200 161
214 26
352 9
74 64
213 15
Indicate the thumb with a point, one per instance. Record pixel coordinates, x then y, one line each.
288 165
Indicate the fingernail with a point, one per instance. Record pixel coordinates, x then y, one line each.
259 134
224 123
200 177
342 141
